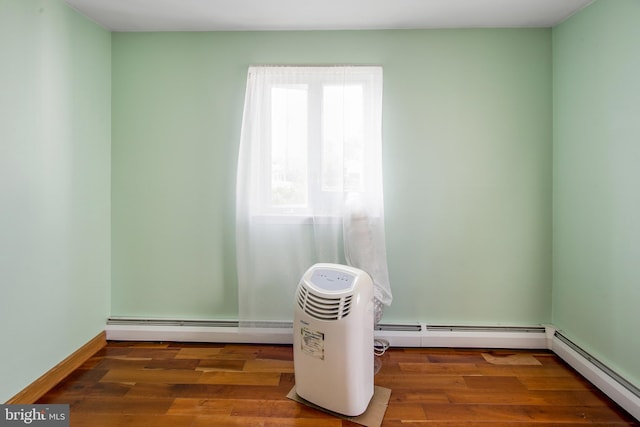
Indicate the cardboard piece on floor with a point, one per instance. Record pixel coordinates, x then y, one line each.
372 417
511 359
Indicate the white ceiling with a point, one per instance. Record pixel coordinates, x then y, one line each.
232 15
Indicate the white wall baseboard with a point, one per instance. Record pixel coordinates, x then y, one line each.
513 338
225 334
417 335
602 380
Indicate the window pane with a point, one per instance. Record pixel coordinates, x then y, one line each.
289 146
342 138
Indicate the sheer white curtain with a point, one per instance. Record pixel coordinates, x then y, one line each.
309 184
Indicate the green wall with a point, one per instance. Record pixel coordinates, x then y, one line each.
54 186
467 162
596 196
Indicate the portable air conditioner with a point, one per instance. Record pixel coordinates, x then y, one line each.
333 338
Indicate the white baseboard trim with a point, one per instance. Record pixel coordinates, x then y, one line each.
398 335
401 335
485 337
627 396
224 334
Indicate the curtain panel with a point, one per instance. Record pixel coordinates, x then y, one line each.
309 182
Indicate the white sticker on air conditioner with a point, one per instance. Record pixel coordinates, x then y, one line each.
312 343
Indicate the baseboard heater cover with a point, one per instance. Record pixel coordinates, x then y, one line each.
129 321
269 332
400 334
511 329
228 331
522 337
624 393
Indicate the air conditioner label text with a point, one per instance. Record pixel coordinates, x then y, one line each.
312 343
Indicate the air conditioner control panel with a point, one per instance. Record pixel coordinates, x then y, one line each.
332 280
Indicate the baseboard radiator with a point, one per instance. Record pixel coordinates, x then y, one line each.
398 335
227 331
614 385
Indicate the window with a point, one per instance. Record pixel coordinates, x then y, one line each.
317 128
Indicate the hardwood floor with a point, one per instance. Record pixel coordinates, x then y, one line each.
178 384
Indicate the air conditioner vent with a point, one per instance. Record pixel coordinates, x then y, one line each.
321 307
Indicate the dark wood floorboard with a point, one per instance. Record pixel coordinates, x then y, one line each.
189 384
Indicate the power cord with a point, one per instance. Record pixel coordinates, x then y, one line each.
380 346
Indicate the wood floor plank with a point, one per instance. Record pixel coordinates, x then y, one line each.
221 365
179 364
201 407
285 408
122 362
556 383
129 420
454 357
405 357
199 353
268 365
75 389
307 422
135 405
224 421
422 382
247 351
140 344
520 371
494 383
240 378
441 368
409 395
182 344
520 413
164 376
527 397
276 352
154 353
406 411
153 391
